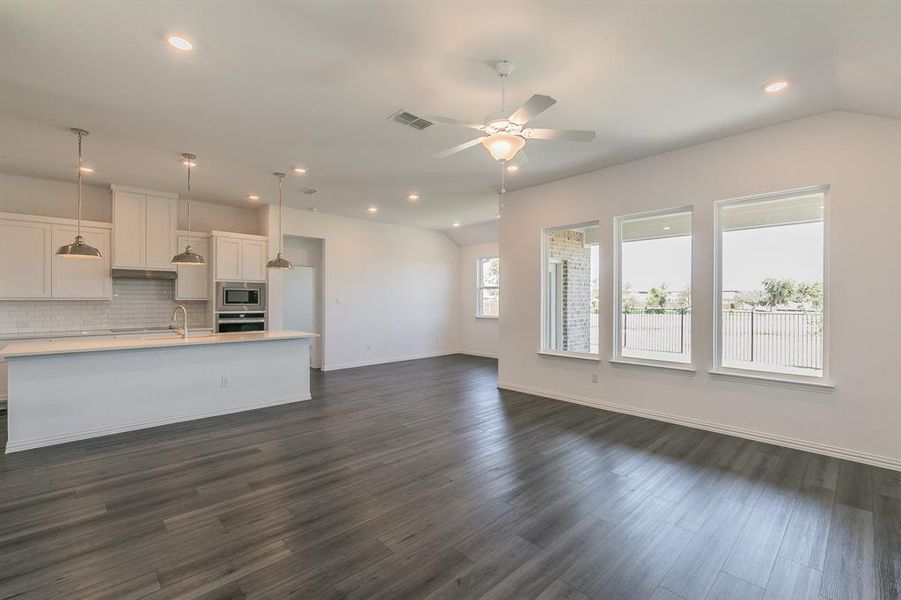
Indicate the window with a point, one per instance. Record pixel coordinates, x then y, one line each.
771 284
570 289
653 283
488 301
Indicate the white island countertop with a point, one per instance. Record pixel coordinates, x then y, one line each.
74 346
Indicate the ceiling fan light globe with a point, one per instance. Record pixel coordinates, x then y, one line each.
503 146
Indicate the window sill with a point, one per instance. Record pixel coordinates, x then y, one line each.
489 317
771 379
576 355
681 368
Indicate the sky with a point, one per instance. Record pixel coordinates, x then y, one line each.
749 257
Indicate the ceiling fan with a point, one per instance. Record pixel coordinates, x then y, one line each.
505 135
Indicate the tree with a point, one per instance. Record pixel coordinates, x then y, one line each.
777 292
683 300
630 302
810 294
656 301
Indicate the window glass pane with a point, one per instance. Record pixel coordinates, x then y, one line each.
655 279
489 302
490 271
772 285
572 277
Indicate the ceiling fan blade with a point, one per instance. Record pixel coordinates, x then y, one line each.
459 148
534 106
570 135
456 122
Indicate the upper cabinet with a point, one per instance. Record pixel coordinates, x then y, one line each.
25 250
193 280
238 256
30 269
77 278
144 229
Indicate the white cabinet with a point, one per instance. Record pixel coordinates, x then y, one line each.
144 223
253 260
228 259
239 257
78 278
25 250
193 281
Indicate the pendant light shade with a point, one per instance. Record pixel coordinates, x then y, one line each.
188 257
503 146
280 263
78 249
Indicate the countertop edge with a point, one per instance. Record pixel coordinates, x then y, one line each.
32 349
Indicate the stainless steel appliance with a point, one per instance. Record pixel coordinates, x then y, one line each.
234 322
240 296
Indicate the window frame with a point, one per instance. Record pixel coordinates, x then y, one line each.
618 288
543 317
480 287
755 374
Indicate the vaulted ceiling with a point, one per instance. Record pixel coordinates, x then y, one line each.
270 86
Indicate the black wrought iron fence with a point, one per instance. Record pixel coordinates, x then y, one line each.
781 337
785 338
658 330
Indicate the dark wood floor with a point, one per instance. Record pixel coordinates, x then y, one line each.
421 480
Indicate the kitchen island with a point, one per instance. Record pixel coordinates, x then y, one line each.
72 389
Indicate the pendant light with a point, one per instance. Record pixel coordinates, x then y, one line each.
188 257
280 263
78 249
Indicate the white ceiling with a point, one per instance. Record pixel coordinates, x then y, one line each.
271 85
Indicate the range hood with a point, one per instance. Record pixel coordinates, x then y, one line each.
142 274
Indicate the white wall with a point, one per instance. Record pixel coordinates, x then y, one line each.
48 198
477 335
859 156
389 291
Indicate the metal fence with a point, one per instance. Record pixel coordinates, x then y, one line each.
665 330
785 338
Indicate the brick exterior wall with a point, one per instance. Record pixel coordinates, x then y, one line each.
569 248
135 303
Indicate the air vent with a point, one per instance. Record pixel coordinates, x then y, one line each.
308 191
410 120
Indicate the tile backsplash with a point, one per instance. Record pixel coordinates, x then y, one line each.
135 303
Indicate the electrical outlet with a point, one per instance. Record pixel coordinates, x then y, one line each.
369 346
223 383
594 378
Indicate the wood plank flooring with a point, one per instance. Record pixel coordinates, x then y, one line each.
422 480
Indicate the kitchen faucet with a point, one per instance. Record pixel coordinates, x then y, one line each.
182 332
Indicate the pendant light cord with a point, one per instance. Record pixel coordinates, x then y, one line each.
78 187
189 203
281 238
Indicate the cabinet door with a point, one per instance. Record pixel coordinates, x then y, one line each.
160 242
25 250
129 230
81 278
228 259
192 282
253 260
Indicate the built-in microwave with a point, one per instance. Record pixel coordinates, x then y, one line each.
240 296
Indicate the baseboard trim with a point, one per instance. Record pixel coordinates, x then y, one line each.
476 353
53 440
385 361
875 460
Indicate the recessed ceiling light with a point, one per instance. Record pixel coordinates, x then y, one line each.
456 224
253 197
775 86
86 169
189 163
497 216
300 170
373 209
181 43
512 168
413 197
667 228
